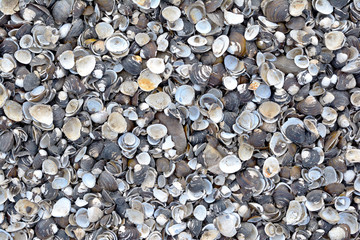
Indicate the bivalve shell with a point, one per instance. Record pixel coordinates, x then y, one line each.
230 164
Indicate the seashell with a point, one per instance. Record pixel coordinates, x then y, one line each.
323 6
156 65
276 11
158 101
171 13
220 45
3 95
350 220
156 131
330 215
230 164
227 224
42 114
230 83
85 65
49 167
135 216
89 180
334 40
352 155
296 7
23 56
200 212
251 32
26 207
310 106
104 30
185 95
247 120
269 111
45 228
117 122
296 213
248 231
117 44
67 59
271 167
342 203
199 74
196 11
234 65
72 128
148 80
9 7
237 44
81 218
233 18
203 26
106 5
301 61
13 110
61 208
197 41
341 231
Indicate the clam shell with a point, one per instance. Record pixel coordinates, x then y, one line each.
271 167
158 101
67 59
117 122
61 208
230 164
104 30
334 40
156 131
72 129
220 45
85 65
148 80
42 113
171 13
13 111
185 95
156 65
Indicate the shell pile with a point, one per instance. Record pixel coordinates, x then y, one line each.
179 119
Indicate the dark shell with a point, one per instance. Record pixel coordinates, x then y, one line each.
182 169
6 141
335 189
107 181
95 149
276 11
238 40
61 11
296 23
282 197
309 158
341 100
106 5
217 74
310 106
45 228
129 233
199 74
295 133
132 64
232 101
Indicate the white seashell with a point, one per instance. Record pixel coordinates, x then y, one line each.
271 167
67 59
95 214
171 13
89 180
23 56
158 101
156 65
200 212
220 45
230 164
85 65
61 208
104 30
251 32
185 95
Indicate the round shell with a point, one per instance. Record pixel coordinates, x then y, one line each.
72 129
334 40
156 131
42 113
148 80
156 65
117 122
230 164
85 65
271 167
185 95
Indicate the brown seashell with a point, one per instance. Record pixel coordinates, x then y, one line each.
335 189
107 182
237 45
106 5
